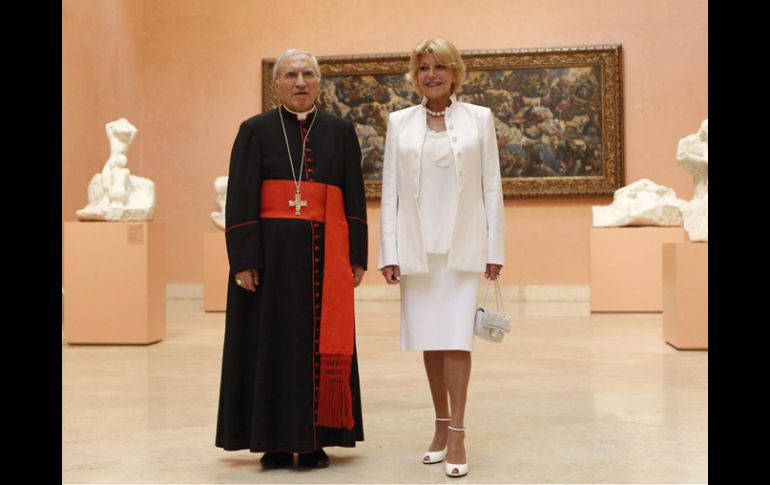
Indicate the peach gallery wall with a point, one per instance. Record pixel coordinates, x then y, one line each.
187 72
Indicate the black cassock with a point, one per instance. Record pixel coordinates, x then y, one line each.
270 364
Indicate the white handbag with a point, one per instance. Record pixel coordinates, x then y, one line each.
491 325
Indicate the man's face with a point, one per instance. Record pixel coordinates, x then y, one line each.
297 83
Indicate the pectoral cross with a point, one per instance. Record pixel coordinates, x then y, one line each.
298 204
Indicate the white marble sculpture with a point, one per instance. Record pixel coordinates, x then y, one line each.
220 186
642 203
692 154
115 194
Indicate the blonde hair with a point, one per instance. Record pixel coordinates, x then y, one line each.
445 53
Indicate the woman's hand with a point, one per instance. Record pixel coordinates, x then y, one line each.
493 271
247 279
392 274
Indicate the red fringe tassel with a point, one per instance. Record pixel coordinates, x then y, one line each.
335 402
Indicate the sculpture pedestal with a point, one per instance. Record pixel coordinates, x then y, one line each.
685 295
626 267
114 283
216 269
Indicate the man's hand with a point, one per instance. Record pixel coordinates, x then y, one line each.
358 274
247 279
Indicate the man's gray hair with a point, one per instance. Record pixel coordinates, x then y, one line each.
292 53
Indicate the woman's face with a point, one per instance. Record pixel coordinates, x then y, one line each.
434 79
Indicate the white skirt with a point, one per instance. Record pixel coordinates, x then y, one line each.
437 308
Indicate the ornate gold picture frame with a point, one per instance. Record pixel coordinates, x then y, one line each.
558 112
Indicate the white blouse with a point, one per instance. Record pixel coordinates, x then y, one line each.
438 192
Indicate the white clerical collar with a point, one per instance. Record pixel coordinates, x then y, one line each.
302 115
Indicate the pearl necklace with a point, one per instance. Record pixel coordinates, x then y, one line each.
435 113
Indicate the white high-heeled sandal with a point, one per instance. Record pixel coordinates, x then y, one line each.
431 457
456 470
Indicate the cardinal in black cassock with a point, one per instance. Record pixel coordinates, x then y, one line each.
297 246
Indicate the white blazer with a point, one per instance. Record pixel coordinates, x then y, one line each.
479 225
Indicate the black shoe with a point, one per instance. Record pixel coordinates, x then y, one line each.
314 459
276 459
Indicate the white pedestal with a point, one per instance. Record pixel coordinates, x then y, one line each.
626 267
686 295
114 282
216 269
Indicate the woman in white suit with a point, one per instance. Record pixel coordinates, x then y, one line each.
442 225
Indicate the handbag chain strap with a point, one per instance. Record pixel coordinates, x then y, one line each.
498 293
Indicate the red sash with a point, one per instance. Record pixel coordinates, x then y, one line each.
325 204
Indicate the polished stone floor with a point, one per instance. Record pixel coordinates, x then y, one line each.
568 397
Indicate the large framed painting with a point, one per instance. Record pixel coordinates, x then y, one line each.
558 112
